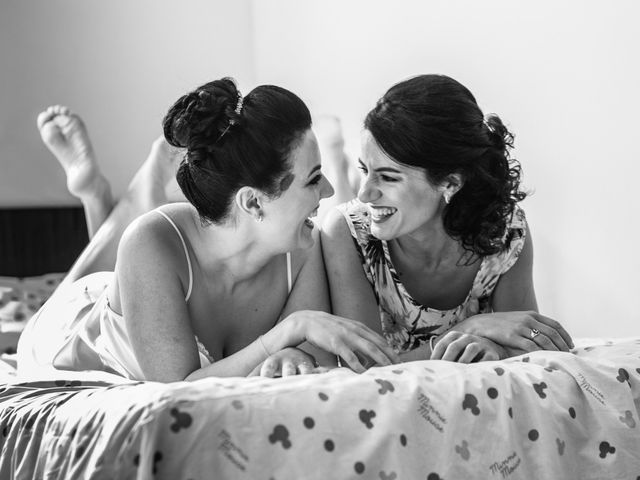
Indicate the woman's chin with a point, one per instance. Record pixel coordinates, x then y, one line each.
305 238
381 233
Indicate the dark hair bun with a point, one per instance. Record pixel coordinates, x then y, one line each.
229 149
198 119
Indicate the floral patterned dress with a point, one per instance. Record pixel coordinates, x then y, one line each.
406 324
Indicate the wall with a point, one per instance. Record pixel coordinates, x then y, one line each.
563 75
120 64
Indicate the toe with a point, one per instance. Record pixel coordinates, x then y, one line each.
44 117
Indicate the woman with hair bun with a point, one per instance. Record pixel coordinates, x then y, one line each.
435 249
212 287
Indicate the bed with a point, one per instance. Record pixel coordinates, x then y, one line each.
540 415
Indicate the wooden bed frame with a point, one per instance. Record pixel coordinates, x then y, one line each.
36 241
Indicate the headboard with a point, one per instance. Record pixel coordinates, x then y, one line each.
36 241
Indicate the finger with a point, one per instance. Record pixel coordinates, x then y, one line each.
470 352
454 349
557 327
305 368
365 332
554 336
269 368
545 343
439 348
321 369
351 359
489 355
441 345
288 368
381 345
524 342
369 350
255 371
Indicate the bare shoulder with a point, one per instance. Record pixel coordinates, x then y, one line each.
335 225
336 236
151 236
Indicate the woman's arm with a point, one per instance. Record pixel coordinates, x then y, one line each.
514 290
516 312
152 277
351 293
310 292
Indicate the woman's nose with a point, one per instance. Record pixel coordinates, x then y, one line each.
327 189
368 192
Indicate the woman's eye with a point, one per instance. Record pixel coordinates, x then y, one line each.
315 180
388 179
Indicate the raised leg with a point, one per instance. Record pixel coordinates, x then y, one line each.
145 192
66 137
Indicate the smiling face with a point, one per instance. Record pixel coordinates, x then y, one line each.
288 216
401 200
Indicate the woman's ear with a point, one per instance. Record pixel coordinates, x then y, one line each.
249 201
451 185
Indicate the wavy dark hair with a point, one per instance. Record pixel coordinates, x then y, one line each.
433 122
229 147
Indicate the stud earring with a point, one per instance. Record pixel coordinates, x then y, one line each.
259 219
447 197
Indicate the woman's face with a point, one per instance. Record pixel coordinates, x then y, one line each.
400 199
288 217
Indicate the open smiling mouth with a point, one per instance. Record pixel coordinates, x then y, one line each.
308 222
381 214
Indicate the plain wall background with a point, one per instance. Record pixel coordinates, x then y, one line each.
564 76
120 64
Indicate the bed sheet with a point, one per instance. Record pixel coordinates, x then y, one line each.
540 415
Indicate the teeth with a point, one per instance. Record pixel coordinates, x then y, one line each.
380 212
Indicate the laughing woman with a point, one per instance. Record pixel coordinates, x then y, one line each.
435 250
212 286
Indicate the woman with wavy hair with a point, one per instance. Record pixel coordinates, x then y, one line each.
435 251
228 283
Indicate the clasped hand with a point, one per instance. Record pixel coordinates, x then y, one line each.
518 332
352 341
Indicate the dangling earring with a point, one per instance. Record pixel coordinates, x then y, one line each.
447 197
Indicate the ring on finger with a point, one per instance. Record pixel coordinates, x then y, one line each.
534 333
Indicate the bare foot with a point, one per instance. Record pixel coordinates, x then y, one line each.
164 159
66 137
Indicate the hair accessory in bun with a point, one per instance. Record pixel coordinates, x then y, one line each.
232 121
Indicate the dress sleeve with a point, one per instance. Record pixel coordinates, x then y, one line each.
356 216
515 235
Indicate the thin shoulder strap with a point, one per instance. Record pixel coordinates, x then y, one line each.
289 275
186 252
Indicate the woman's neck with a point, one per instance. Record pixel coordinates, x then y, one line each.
428 248
233 252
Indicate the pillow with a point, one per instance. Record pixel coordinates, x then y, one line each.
20 298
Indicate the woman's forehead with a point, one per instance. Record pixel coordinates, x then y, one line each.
373 156
305 156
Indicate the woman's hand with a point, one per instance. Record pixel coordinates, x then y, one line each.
345 338
462 347
287 362
520 331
